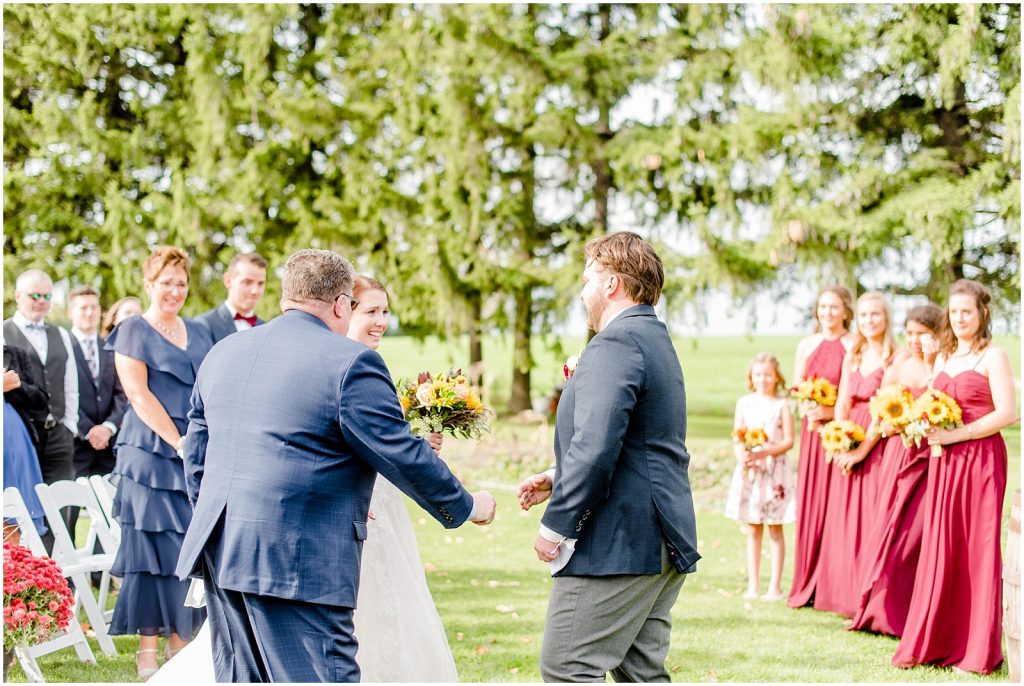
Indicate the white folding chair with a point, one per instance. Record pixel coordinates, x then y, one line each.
15 508
104 492
54 497
103 529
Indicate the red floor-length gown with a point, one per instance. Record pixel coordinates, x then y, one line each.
813 480
888 577
851 511
956 609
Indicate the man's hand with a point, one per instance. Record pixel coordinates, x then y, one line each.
435 440
11 380
483 503
99 437
534 490
545 549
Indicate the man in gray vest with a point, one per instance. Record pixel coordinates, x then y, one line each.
49 350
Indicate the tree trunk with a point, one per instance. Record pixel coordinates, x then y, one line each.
476 346
519 399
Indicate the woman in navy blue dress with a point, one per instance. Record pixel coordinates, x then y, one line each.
23 393
157 355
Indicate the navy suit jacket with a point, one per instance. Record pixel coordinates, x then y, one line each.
289 426
219 322
621 482
100 401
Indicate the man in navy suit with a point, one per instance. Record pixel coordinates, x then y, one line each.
619 533
246 280
290 425
101 400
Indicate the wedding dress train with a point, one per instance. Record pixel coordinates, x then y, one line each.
401 638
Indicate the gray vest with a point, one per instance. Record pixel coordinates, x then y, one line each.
52 373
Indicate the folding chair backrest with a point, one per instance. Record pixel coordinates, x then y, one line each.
104 492
55 497
16 509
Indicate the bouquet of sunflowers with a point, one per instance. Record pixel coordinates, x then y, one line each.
444 403
811 393
840 436
932 408
892 405
752 440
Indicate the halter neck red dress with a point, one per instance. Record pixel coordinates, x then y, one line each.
851 511
813 480
892 553
956 610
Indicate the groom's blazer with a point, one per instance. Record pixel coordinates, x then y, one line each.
289 426
621 485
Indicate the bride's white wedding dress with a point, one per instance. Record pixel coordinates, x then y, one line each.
401 638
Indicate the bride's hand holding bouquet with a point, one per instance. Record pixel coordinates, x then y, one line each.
444 403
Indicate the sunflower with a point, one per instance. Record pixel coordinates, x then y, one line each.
755 437
936 411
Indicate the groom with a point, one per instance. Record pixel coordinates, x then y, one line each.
619 531
289 427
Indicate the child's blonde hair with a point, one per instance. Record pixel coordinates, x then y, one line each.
762 358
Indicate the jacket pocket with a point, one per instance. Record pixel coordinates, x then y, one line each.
360 530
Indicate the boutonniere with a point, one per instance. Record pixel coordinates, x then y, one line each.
569 368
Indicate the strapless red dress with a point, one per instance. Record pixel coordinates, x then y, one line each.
813 480
851 512
956 609
891 560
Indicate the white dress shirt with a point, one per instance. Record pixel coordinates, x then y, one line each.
37 338
81 336
240 324
566 545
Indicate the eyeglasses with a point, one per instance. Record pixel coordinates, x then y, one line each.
352 300
40 296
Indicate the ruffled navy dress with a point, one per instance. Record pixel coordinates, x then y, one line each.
151 502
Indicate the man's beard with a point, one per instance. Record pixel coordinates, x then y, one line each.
595 311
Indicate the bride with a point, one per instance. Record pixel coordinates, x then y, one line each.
394 604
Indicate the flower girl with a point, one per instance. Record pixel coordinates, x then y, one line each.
762 486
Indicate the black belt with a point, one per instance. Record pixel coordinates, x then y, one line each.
47 424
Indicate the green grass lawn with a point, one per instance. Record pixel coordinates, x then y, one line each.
492 593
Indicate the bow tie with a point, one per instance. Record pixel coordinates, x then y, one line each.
251 320
38 326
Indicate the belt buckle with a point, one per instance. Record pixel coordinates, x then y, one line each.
49 423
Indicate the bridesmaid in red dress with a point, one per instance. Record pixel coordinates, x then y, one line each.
955 611
852 507
889 569
820 355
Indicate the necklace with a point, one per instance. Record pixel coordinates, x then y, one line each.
172 334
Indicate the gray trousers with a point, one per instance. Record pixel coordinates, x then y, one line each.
617 624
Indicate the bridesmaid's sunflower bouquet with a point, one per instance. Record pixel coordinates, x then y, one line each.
814 392
444 403
893 405
840 436
932 409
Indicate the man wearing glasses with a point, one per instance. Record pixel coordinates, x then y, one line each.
49 350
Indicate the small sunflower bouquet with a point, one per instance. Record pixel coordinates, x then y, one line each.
933 408
444 403
840 436
814 392
750 439
892 405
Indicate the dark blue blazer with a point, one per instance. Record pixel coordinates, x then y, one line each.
219 322
621 485
100 401
290 425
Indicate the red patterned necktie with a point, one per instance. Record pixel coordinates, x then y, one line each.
251 320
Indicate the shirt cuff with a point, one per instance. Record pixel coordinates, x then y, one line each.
472 512
550 473
550 535
111 426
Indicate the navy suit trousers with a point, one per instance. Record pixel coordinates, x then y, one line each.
261 639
